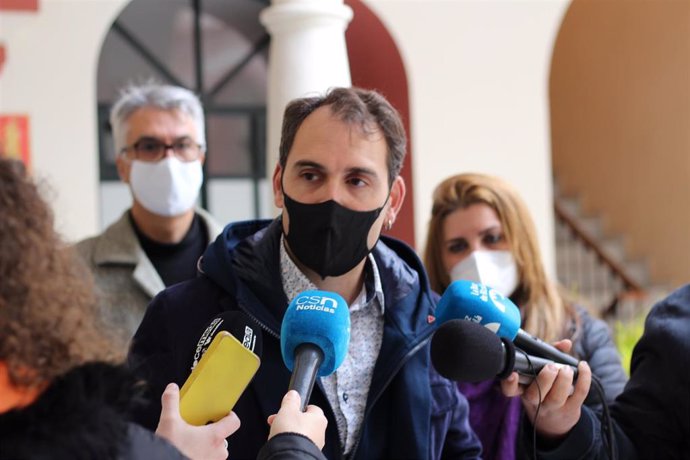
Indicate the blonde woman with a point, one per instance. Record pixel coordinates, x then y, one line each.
480 230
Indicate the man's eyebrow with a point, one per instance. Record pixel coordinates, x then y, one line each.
350 171
362 171
308 164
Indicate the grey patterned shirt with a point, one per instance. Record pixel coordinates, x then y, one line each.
348 387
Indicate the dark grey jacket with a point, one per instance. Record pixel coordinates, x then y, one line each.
595 345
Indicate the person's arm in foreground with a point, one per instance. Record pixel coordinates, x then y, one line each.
295 434
196 442
565 429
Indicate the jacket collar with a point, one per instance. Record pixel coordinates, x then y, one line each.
245 261
119 245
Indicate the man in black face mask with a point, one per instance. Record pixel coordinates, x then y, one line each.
338 185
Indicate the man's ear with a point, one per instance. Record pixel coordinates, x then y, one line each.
396 199
124 167
278 187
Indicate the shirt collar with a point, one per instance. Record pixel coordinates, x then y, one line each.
295 282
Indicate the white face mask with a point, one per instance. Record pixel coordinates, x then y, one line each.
168 187
496 269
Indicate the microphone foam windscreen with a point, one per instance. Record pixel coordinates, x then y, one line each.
237 323
320 318
466 352
479 303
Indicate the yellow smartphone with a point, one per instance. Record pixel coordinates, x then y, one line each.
218 380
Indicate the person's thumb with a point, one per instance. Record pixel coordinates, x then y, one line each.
564 345
291 400
170 401
227 425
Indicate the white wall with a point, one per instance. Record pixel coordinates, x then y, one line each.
478 77
50 74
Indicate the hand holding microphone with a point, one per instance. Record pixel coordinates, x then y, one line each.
469 352
476 302
292 419
314 338
551 395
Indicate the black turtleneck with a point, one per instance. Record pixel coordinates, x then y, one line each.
175 262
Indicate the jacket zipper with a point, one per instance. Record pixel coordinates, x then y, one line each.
256 320
318 381
400 365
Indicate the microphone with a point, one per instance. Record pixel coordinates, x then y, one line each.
469 352
478 303
238 324
314 337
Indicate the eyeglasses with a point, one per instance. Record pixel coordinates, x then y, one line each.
153 150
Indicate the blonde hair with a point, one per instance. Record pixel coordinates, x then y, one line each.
544 311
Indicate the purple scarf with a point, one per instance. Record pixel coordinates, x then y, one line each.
494 417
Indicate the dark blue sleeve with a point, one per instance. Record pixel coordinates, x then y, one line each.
584 441
151 358
654 409
290 446
452 434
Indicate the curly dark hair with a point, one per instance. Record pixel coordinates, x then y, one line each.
48 320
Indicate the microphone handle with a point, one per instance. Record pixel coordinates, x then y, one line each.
308 359
528 366
535 346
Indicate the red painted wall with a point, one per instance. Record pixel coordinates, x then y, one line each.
375 63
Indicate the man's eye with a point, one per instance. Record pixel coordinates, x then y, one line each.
149 146
310 176
183 146
357 182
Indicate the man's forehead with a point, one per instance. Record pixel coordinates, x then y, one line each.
153 121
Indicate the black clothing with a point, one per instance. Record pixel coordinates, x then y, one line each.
175 262
289 446
82 415
652 415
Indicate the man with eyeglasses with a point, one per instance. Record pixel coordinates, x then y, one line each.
158 132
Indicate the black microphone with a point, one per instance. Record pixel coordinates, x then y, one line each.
469 352
478 303
237 323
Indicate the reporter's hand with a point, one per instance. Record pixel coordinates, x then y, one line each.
290 419
560 408
196 442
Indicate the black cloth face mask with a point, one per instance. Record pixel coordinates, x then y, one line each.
327 237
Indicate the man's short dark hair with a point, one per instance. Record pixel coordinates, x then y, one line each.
365 108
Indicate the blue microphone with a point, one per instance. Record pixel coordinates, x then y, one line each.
478 303
314 338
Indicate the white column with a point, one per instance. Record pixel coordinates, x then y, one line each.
307 56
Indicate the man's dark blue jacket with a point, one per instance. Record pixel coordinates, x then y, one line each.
411 411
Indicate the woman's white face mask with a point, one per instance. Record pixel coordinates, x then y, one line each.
169 187
496 269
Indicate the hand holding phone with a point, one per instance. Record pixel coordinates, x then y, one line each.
218 380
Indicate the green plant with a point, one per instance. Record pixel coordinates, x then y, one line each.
626 335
